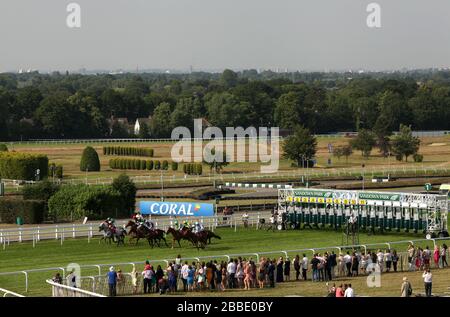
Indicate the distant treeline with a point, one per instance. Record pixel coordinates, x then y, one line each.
106 106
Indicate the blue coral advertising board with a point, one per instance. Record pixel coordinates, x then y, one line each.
168 208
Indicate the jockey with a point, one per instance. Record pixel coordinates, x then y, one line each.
185 224
176 225
198 227
149 224
111 224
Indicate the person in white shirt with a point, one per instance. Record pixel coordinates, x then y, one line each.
231 270
304 266
428 281
348 263
72 279
184 275
349 291
380 259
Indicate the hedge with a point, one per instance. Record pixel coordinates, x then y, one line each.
31 211
40 191
135 164
75 202
127 151
58 170
193 168
3 148
89 160
22 166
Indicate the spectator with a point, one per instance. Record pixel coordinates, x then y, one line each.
200 277
148 275
328 267
247 275
184 275
305 263
190 278
332 291
262 272
340 291
280 270
223 267
406 288
388 260
444 255
240 273
394 260
348 263
314 266
321 267
112 281
341 265
436 256
271 273
355 264
120 281
231 270
134 279
72 279
363 263
380 260
428 281
210 276
171 278
426 255
297 266
57 278
411 252
349 291
333 264
287 269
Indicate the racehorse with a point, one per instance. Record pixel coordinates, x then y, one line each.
210 234
199 239
117 236
142 232
177 235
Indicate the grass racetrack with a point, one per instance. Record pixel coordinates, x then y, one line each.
51 253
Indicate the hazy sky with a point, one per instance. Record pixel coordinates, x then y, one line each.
217 34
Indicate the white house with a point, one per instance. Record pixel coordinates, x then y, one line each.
140 122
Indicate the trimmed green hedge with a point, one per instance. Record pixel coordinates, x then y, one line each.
3 148
193 169
129 151
89 160
23 166
75 202
135 164
31 211
39 191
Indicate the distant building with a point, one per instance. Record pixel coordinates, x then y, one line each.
118 121
139 122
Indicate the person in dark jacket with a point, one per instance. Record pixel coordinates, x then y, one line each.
328 267
297 266
271 273
280 270
333 260
287 269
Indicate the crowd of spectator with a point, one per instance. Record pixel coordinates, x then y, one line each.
246 274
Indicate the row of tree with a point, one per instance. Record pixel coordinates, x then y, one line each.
301 147
87 106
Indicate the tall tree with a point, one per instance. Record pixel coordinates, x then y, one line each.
160 125
364 142
405 144
301 146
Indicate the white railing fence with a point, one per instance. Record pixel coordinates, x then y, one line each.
256 176
91 230
60 290
7 293
97 283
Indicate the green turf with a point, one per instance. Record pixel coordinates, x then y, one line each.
46 254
